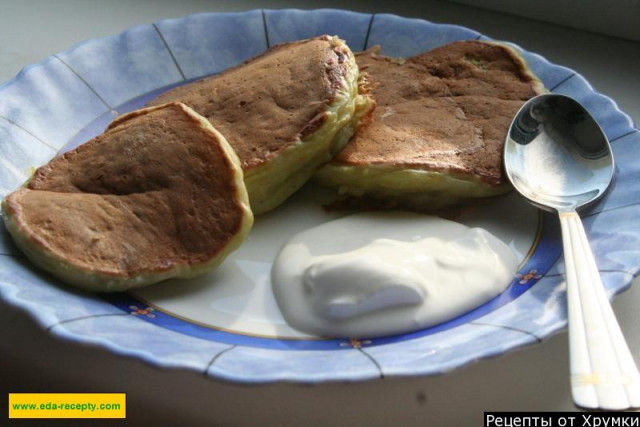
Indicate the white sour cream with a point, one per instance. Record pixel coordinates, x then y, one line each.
377 274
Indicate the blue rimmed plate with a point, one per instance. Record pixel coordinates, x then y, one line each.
233 330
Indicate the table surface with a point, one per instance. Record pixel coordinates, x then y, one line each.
531 379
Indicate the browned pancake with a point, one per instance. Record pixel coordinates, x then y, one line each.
280 112
158 195
441 114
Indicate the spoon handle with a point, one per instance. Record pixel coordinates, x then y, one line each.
603 373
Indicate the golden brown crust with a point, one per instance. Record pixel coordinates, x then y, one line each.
446 110
155 192
272 100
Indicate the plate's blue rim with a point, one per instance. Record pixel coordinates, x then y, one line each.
9 293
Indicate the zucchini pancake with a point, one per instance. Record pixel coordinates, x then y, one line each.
159 195
284 112
438 131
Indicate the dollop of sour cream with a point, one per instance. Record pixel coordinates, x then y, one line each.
377 274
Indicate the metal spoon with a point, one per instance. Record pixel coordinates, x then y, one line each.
557 156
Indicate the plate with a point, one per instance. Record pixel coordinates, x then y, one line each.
235 332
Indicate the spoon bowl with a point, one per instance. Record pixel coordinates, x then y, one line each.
557 156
